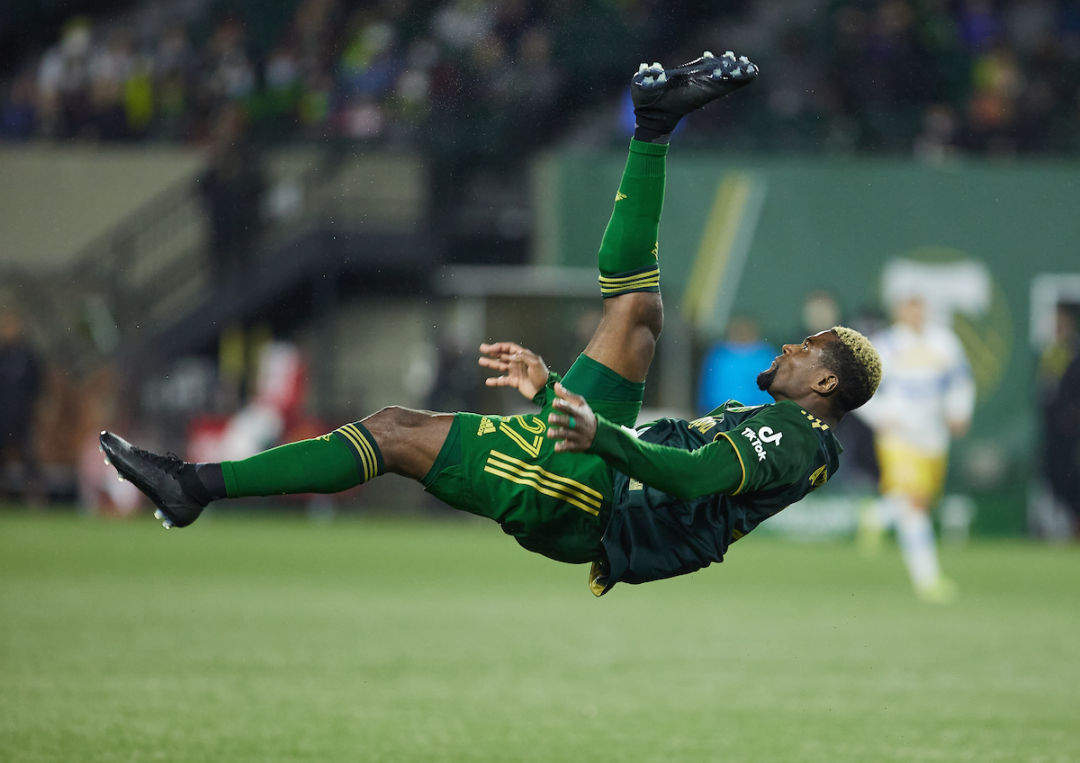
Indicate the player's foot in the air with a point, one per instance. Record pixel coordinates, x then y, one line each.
663 96
166 480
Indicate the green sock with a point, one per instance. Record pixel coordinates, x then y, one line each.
629 250
345 458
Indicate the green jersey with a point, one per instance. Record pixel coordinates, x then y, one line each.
683 491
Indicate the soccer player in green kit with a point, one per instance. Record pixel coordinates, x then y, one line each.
575 482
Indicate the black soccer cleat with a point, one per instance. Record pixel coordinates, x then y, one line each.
663 96
161 478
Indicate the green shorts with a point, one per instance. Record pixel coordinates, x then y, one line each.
506 468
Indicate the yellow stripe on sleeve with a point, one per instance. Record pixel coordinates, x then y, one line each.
742 465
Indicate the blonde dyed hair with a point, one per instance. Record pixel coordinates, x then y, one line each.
867 363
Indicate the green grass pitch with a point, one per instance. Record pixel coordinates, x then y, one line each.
264 639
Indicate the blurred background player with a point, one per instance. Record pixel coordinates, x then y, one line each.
1059 405
730 365
20 382
926 398
280 385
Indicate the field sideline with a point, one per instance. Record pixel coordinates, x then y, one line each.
263 639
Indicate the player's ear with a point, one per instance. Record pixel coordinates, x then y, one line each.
826 383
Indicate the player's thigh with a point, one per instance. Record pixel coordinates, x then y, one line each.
625 340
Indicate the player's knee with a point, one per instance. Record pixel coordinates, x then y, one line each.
652 315
409 440
394 421
391 427
639 309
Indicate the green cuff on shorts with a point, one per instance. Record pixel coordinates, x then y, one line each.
609 394
593 380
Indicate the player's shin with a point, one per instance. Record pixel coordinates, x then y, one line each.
344 458
628 257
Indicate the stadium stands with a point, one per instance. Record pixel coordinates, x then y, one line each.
883 76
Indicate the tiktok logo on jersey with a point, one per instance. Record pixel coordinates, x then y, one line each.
758 440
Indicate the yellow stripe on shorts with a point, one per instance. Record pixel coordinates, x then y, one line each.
543 481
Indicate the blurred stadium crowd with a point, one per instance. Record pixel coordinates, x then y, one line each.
929 78
394 72
926 77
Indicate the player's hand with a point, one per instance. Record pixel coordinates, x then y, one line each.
574 423
517 367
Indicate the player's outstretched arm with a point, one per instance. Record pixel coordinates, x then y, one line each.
516 366
712 468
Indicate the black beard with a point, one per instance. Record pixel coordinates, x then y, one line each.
765 379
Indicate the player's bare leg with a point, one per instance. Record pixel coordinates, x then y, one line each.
409 440
625 340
